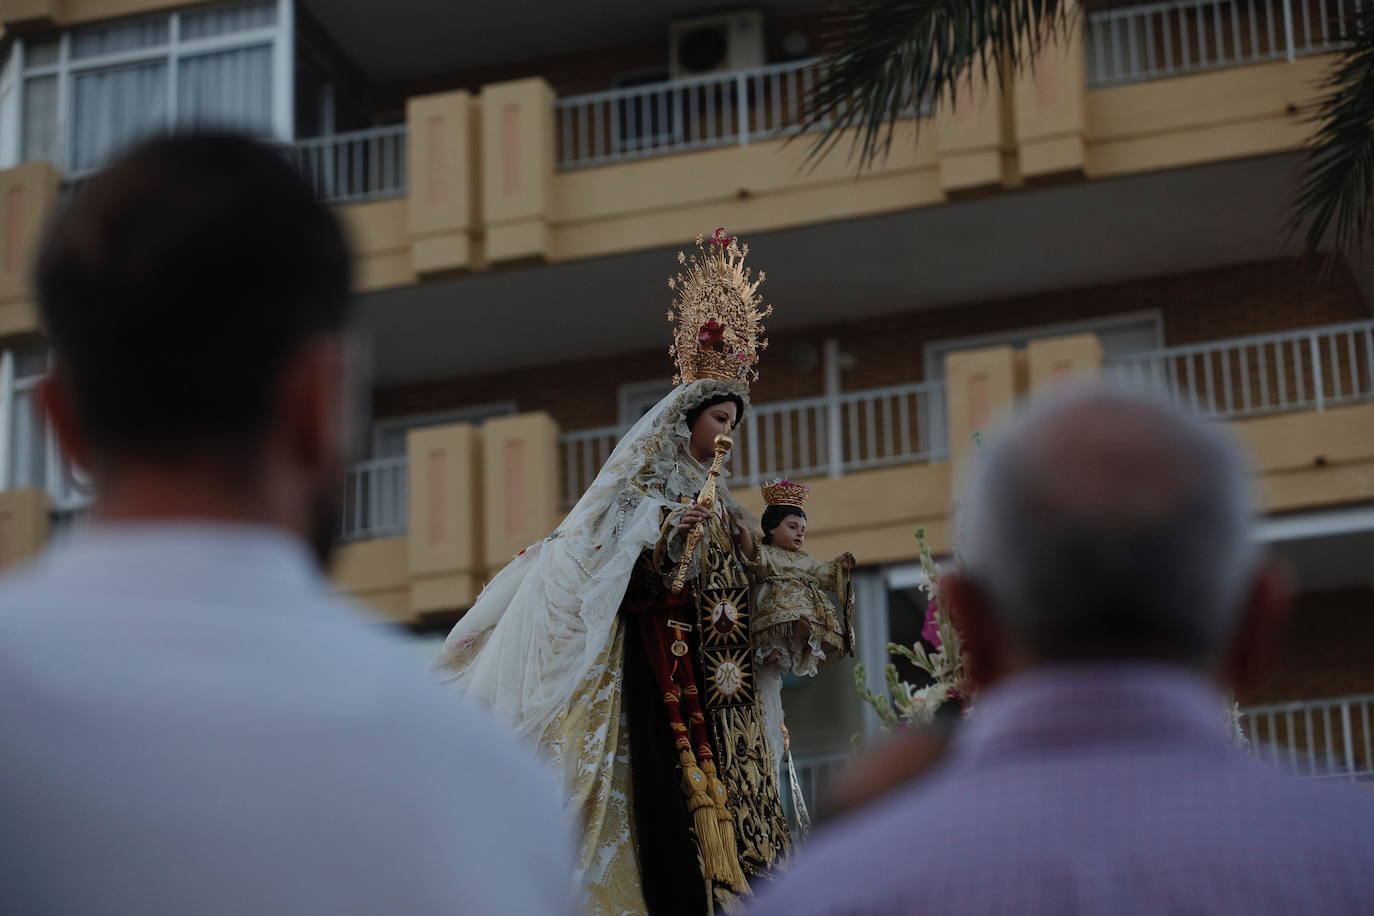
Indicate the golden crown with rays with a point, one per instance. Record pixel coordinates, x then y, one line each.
718 313
785 493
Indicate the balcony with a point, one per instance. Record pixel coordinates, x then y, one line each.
682 116
1315 739
1244 378
1247 377
423 531
1151 41
813 437
512 175
346 168
354 167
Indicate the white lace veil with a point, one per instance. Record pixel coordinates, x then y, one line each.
537 629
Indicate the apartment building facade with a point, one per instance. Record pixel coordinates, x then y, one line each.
517 182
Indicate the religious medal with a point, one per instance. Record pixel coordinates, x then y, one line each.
724 616
679 646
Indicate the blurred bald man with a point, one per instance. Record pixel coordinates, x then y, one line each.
1111 592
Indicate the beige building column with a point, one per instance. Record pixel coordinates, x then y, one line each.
442 157
518 140
1060 360
519 484
28 197
971 137
25 524
1050 102
445 517
981 385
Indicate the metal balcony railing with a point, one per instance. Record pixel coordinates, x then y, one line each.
1309 369
375 500
680 116
1318 739
1149 41
804 438
343 168
354 167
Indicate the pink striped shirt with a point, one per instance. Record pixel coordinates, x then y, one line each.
1095 789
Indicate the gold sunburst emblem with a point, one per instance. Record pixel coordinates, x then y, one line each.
730 679
724 615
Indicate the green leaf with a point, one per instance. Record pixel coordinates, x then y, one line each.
1334 192
891 57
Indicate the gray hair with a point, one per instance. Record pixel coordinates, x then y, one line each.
1102 523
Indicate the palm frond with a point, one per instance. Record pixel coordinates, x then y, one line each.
1334 192
889 58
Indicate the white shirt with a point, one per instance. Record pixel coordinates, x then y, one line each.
192 724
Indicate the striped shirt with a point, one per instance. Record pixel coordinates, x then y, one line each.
1095 789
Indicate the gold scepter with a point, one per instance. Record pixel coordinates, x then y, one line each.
706 499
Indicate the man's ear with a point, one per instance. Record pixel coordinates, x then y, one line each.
310 418
58 402
1259 624
988 653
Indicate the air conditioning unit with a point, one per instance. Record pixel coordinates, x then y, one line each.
715 44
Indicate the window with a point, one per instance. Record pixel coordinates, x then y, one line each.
638 398
389 436
94 90
1120 335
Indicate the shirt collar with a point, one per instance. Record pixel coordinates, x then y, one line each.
183 558
1055 706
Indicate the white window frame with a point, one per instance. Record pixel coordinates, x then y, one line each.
474 413
933 353
11 102
280 37
632 394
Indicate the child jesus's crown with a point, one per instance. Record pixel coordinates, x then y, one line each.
785 493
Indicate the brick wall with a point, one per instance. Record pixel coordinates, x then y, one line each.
1325 651
1206 305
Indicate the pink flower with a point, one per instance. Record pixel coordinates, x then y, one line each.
720 237
930 632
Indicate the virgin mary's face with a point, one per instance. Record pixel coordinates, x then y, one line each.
714 420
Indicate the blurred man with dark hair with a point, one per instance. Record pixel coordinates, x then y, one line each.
193 723
1110 587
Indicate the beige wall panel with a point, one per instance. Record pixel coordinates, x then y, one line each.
442 155
381 244
1297 441
24 525
971 137
981 388
1206 117
519 484
1316 488
376 573
1063 360
1050 100
517 164
803 206
445 517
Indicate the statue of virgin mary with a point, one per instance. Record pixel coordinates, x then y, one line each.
620 644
